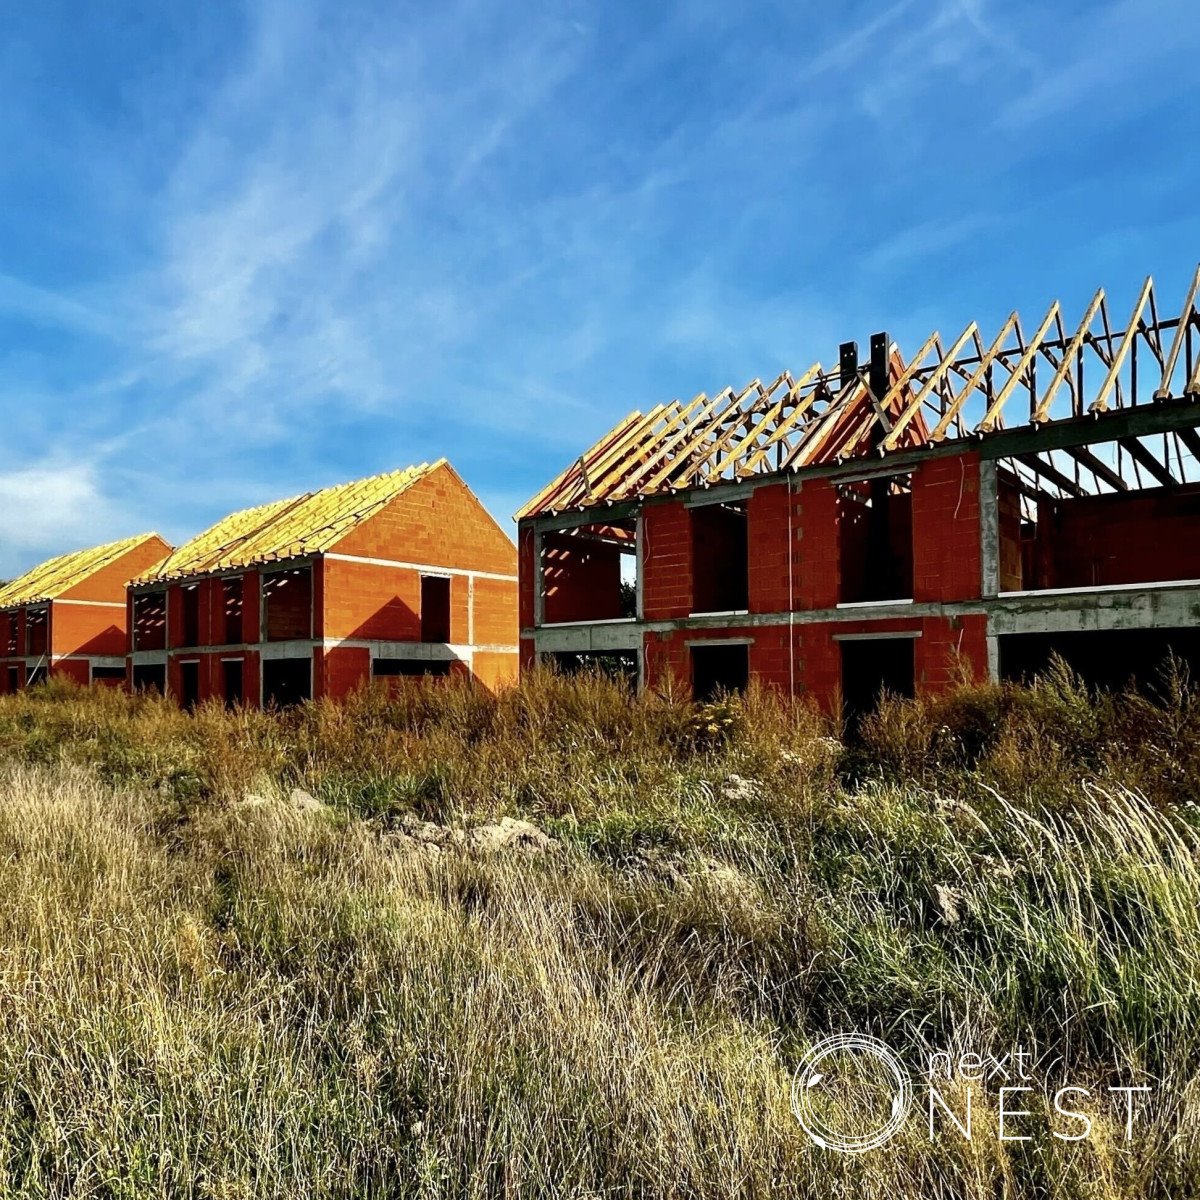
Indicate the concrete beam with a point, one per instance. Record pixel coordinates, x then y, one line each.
1163 607
580 639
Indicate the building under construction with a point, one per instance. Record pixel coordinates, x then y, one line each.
976 506
403 574
66 617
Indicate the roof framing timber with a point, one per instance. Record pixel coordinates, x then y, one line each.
967 389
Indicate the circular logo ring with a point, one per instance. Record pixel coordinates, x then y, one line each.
809 1075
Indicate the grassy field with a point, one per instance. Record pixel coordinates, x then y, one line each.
209 988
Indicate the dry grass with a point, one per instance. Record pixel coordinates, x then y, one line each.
204 997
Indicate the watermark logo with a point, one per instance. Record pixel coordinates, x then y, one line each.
852 1093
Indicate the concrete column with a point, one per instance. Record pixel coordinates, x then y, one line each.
989 529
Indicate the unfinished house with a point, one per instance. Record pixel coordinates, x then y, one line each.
399 575
67 616
977 506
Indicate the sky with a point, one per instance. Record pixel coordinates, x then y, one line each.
252 249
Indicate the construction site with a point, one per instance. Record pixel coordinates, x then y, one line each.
402 574
891 520
66 617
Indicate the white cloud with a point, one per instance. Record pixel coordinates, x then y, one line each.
53 503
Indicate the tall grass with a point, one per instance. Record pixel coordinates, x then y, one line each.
208 997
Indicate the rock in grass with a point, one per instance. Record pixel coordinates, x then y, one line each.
947 903
509 834
304 801
739 790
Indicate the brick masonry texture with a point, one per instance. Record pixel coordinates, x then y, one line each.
437 524
795 564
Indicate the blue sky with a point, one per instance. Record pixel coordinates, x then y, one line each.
251 249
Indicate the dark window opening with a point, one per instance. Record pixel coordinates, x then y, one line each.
286 681
108 675
150 677
150 621
190 615
14 679
872 667
36 675
590 573
189 685
719 669
233 682
387 668
435 608
1096 516
620 665
875 548
232 593
37 631
1112 659
287 605
720 558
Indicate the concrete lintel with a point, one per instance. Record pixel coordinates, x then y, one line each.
1083 431
148 658
885 635
720 493
601 514
1150 608
301 648
631 631
423 651
584 638
701 643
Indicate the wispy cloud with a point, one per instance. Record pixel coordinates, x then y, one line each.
53 503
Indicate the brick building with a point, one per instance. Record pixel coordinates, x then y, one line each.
66 617
400 574
975 508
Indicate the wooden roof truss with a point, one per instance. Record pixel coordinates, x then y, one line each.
967 387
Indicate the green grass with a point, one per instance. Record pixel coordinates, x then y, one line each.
204 997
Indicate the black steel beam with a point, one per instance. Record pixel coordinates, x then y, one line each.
1148 462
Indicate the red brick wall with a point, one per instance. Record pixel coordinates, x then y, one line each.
1122 538
495 670
460 609
667 561
582 579
668 655
946 536
109 582
767 514
438 522
79 629
72 668
667 663
75 629
820 665
948 646
770 662
495 612
527 541
817 573
342 670
290 609
365 601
